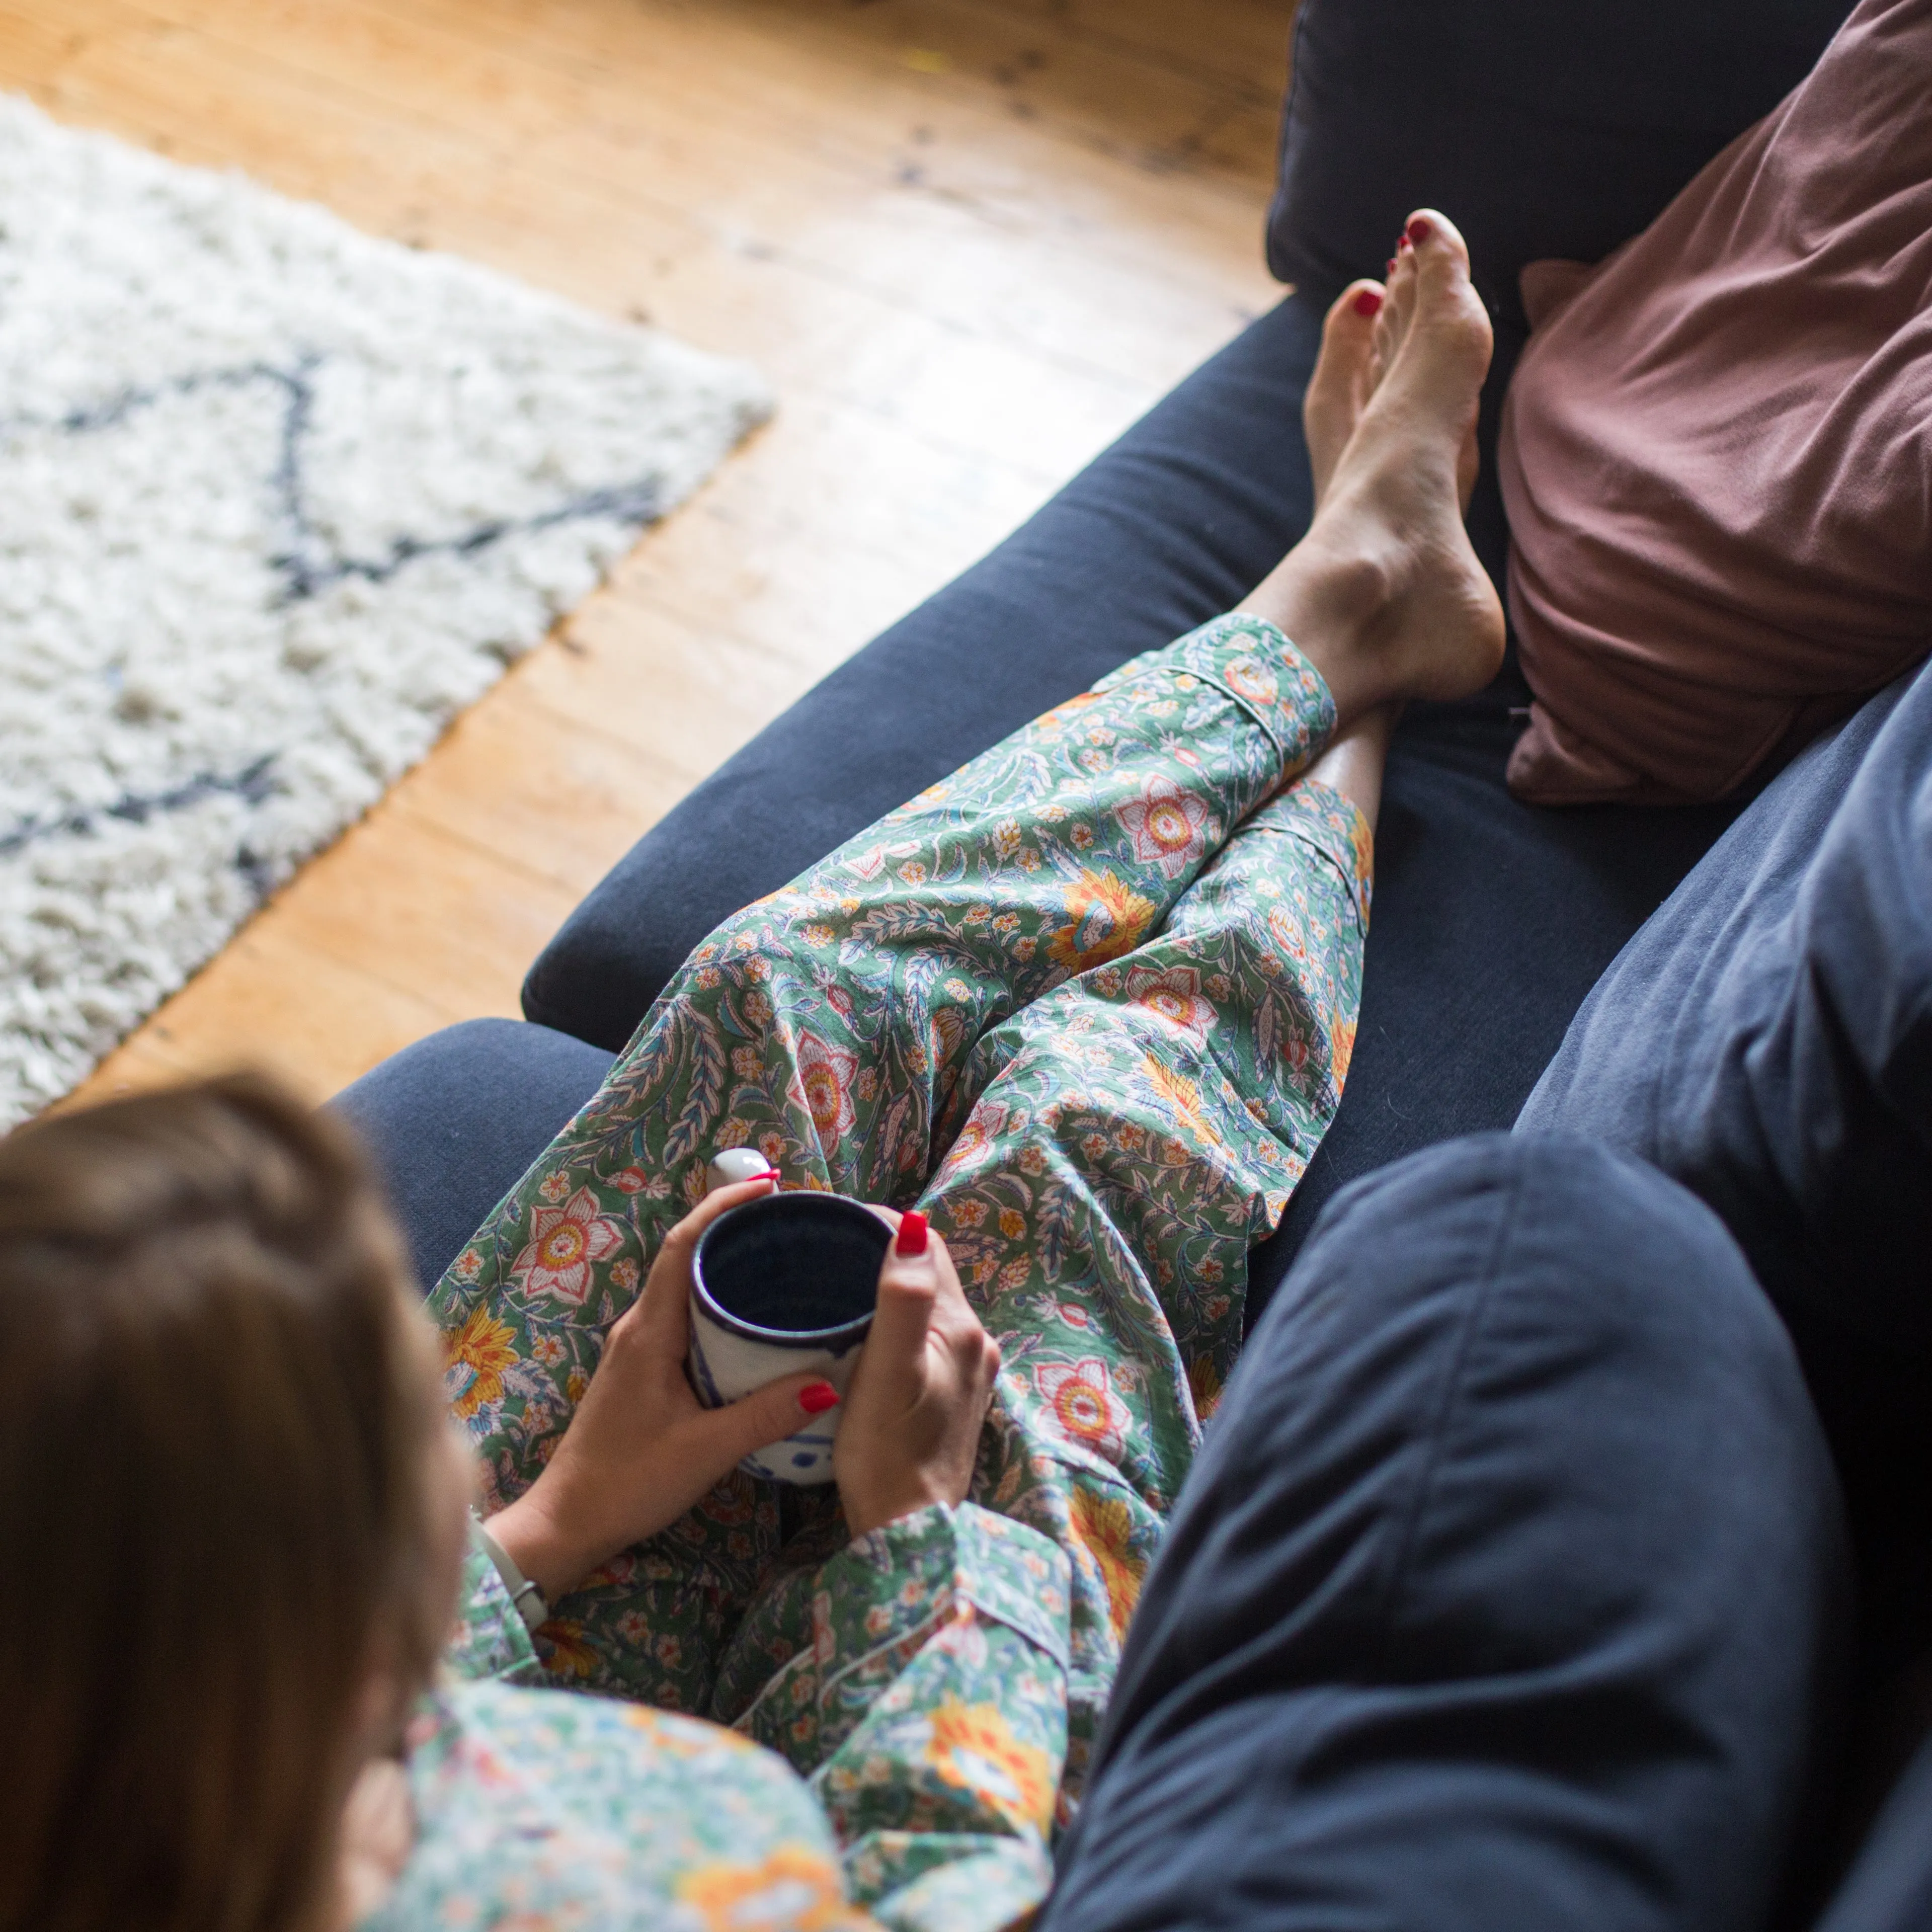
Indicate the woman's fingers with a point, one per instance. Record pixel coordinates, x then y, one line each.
757 1421
954 1320
909 1288
954 1308
918 1396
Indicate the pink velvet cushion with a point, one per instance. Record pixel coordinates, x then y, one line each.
1717 455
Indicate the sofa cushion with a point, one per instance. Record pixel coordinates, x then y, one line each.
1766 1040
452 1123
1540 130
1889 1887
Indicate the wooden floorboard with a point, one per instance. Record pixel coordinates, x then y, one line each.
967 241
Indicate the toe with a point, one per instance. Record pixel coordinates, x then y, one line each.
1401 279
1348 333
1440 289
1355 307
1349 327
1392 321
1435 240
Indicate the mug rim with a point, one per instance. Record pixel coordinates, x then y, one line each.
835 1340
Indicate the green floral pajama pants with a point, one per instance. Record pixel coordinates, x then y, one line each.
1089 1002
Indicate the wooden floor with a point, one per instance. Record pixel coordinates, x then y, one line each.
968 242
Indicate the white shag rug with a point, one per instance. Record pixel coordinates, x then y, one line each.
277 500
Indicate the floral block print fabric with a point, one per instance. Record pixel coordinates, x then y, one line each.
1089 1002
548 1812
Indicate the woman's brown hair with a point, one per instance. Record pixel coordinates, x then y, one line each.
214 1427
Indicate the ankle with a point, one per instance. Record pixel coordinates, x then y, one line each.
1328 599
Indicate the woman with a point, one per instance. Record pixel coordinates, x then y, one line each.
1089 1003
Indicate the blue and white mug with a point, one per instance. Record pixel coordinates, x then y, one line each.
780 1286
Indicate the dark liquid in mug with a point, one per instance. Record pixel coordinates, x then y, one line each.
796 1263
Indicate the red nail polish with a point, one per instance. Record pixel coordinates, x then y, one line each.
1391 268
1418 231
1369 302
912 1234
815 1398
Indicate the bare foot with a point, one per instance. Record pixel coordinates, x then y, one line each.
1384 593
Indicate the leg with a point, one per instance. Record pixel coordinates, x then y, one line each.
1126 1137
1193 506
829 1023
1134 1133
1508 1590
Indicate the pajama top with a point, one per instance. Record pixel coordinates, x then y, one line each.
1088 1004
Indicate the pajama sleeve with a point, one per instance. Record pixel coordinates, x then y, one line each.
926 1704
489 1641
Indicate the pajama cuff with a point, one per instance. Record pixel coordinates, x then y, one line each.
1258 666
882 1599
489 1640
1333 825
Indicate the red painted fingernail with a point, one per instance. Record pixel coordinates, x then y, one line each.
1369 302
1418 231
912 1234
1391 269
815 1398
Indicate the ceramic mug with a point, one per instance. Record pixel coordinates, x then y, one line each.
784 1284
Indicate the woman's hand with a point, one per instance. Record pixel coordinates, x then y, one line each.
641 1449
910 1429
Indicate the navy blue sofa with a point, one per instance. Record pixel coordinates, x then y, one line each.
1544 131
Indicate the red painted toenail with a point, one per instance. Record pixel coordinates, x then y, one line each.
1418 231
1369 302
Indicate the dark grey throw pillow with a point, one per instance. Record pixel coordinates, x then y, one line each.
1766 1038
1541 129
